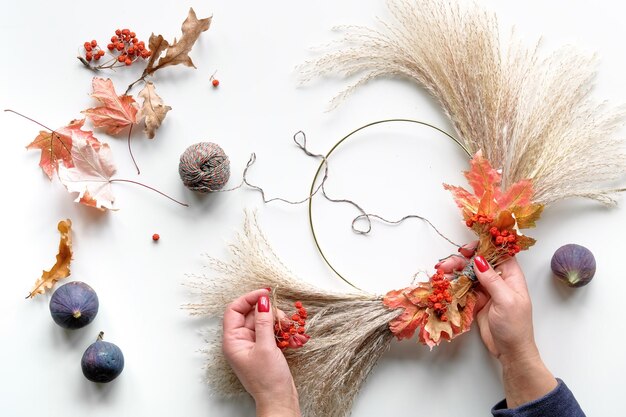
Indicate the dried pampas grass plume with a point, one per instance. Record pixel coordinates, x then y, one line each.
349 332
531 116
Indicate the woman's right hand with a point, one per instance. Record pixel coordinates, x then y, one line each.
505 321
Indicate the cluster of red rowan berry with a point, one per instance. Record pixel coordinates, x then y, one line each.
506 239
289 332
124 43
440 297
92 51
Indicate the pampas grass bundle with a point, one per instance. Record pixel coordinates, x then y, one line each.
531 116
349 332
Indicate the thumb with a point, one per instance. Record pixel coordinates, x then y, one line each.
491 281
264 322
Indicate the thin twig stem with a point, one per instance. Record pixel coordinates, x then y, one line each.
28 118
131 151
150 188
142 78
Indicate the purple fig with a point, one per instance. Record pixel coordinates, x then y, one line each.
574 265
102 361
74 305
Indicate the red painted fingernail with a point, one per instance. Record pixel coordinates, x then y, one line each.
263 305
268 288
481 263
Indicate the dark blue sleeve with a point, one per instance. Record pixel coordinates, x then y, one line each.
559 402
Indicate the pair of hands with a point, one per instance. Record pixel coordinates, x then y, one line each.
504 318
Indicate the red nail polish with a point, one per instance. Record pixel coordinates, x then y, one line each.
481 263
263 305
268 288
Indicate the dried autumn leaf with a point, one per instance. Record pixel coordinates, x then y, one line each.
116 112
157 45
518 195
90 176
153 111
467 202
177 52
482 177
460 315
527 216
56 146
412 317
61 269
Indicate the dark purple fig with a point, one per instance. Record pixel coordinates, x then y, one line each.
74 305
102 361
574 265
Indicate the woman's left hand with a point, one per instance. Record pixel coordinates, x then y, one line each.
250 347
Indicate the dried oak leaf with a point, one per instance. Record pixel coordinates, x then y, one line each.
61 269
156 44
56 146
90 176
116 112
177 52
153 110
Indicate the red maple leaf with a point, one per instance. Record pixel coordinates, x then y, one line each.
56 146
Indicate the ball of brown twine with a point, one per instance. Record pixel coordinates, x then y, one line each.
204 167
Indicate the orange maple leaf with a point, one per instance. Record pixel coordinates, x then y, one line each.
116 112
490 208
412 317
56 146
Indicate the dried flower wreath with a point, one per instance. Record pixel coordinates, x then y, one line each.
535 137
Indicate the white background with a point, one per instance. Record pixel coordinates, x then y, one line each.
393 170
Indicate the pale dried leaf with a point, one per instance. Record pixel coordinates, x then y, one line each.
157 45
90 176
178 51
153 111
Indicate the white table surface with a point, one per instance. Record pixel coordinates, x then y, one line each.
393 170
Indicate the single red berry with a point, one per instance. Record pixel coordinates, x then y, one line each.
132 34
86 44
298 304
128 61
118 32
110 47
97 57
121 58
88 56
94 43
119 46
215 82
88 47
156 237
